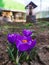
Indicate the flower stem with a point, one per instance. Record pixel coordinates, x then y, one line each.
17 58
27 57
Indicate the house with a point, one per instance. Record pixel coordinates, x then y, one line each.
42 15
12 11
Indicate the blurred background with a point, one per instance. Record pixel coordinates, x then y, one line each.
14 10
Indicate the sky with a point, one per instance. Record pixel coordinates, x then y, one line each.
42 5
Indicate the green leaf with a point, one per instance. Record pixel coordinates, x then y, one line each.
11 54
32 54
23 57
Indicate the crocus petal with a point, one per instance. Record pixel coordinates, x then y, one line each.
11 38
18 36
25 45
21 46
27 32
32 43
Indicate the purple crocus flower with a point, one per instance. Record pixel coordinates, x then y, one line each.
24 43
27 32
12 37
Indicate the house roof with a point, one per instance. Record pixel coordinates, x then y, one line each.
11 5
31 3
